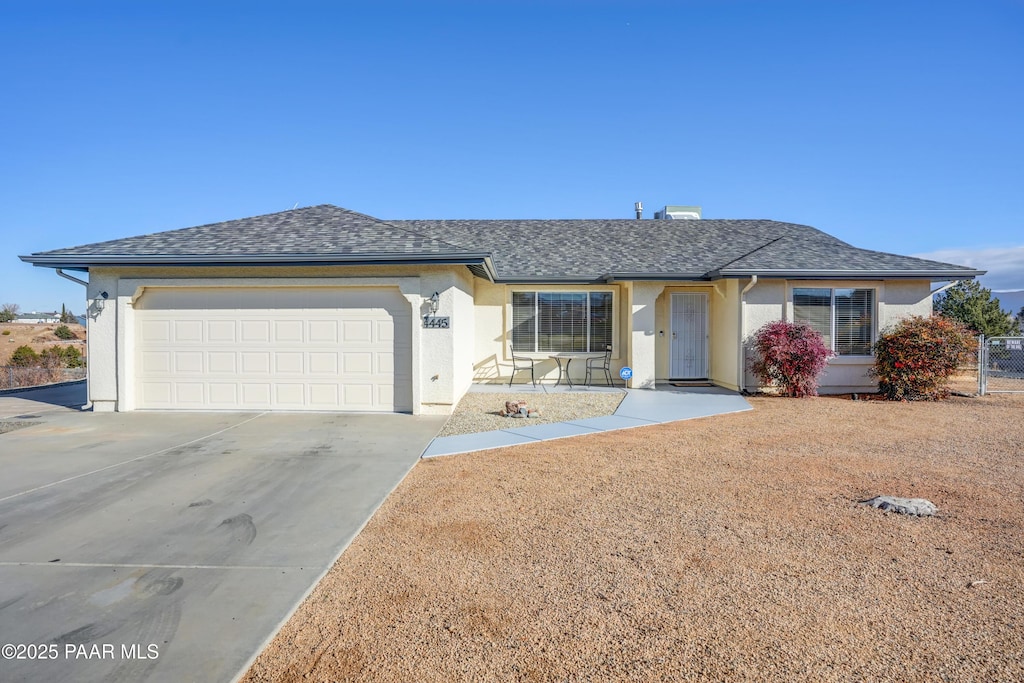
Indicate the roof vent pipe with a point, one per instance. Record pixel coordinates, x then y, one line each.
639 207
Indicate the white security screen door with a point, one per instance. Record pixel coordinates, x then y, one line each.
689 345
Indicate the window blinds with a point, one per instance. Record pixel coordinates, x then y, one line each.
844 317
853 321
558 322
814 307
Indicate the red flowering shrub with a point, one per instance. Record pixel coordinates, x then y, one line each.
915 359
790 356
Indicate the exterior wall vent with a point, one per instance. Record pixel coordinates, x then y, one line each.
679 213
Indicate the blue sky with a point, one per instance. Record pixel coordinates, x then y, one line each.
893 125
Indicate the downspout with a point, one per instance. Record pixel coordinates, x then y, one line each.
742 379
73 279
88 371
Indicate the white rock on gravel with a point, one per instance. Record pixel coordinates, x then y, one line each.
904 506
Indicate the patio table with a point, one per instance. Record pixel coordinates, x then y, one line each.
568 357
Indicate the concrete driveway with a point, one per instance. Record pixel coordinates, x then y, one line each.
171 546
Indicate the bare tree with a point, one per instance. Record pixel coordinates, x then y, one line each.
8 312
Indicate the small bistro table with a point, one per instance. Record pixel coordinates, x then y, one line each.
568 358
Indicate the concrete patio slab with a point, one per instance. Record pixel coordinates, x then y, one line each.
668 406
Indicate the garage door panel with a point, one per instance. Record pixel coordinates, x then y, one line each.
359 395
288 362
287 331
223 394
156 361
188 361
221 362
155 331
324 395
188 331
385 331
323 363
256 362
221 331
255 331
357 332
283 348
357 363
256 395
323 331
289 395
157 393
189 394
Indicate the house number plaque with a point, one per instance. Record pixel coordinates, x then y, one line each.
437 322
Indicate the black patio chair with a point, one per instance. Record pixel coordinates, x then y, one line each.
604 364
521 363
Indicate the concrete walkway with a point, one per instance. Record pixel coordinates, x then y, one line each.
640 408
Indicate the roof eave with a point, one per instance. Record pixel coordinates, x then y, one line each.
936 274
618 277
80 261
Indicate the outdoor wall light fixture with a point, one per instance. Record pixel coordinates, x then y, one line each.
435 299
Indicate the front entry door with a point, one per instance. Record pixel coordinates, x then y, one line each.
689 349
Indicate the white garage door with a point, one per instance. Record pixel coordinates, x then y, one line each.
273 348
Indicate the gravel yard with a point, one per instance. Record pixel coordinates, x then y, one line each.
480 412
725 548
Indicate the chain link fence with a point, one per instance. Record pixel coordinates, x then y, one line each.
1000 365
16 377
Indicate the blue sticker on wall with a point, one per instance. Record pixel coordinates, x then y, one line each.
626 373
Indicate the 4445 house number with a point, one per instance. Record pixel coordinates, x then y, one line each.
437 322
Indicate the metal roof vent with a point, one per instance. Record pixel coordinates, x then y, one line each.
679 212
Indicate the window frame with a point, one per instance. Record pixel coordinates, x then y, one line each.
537 292
832 287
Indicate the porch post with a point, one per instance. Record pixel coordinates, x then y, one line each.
643 348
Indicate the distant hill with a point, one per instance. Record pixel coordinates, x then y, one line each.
1010 302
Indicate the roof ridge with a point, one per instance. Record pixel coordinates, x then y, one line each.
755 249
418 234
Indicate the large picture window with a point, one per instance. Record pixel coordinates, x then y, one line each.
561 321
843 317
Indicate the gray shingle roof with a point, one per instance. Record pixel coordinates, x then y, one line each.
606 249
520 250
321 230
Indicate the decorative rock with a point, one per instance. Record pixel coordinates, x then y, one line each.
904 506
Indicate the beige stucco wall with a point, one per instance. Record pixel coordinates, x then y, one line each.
493 304
723 323
475 348
441 371
772 300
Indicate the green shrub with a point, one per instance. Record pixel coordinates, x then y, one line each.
62 356
24 357
64 332
790 356
6 332
915 359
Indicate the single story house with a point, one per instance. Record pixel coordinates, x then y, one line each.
323 308
36 318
